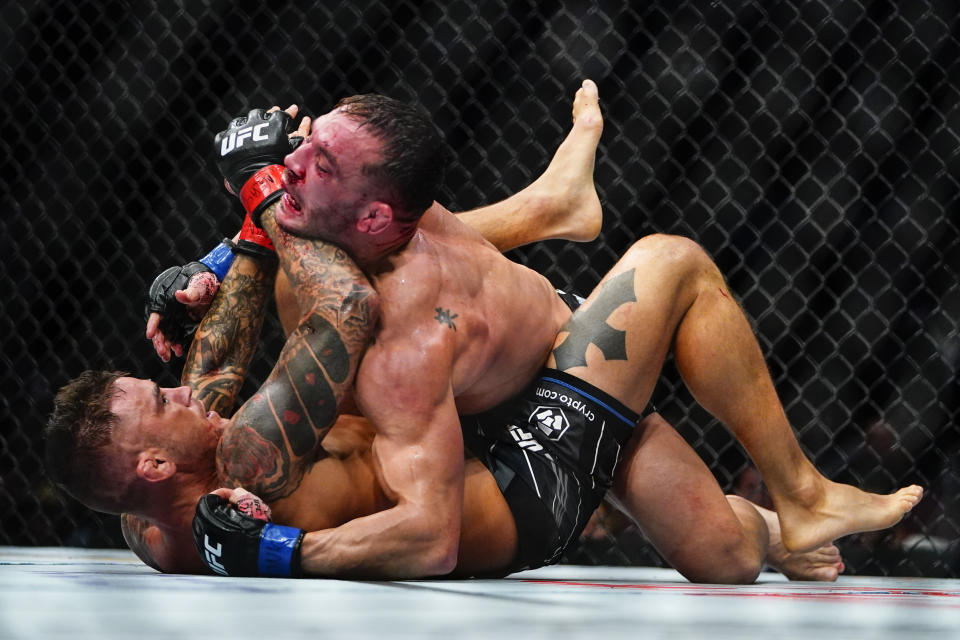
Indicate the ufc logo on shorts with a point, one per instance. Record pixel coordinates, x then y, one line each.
524 439
211 555
236 138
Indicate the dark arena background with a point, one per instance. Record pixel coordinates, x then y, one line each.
810 146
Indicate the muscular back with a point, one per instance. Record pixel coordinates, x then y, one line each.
453 292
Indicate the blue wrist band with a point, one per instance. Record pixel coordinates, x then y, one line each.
277 546
219 260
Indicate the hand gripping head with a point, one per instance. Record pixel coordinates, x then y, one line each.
233 544
251 143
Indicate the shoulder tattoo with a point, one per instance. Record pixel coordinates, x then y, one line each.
134 533
444 316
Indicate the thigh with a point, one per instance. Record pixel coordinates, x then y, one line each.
664 486
618 339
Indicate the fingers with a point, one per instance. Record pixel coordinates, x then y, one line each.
245 502
250 505
189 295
304 129
153 323
162 345
155 335
291 111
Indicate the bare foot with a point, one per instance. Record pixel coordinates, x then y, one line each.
828 510
566 191
823 564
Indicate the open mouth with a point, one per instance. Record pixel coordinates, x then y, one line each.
291 202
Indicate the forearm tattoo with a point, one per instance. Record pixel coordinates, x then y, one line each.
589 326
276 435
227 338
326 281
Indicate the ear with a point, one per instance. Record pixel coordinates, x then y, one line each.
376 218
153 465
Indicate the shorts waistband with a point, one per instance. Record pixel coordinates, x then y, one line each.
617 409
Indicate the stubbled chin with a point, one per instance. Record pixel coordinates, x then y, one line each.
288 218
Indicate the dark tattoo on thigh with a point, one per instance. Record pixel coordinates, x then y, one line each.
589 326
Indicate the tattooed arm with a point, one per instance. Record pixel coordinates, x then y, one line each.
228 335
275 436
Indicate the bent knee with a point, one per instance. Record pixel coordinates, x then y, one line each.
670 251
735 570
732 562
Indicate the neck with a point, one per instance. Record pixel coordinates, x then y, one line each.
369 255
172 506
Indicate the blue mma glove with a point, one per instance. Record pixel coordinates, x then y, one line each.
176 323
233 544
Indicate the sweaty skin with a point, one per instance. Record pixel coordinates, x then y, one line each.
454 311
342 481
338 482
664 294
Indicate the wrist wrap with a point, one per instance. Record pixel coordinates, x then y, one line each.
219 259
254 241
261 190
280 551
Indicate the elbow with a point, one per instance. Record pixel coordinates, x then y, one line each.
441 558
438 546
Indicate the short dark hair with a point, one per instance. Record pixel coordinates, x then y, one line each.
414 156
78 434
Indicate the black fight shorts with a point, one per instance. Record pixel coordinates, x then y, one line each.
553 450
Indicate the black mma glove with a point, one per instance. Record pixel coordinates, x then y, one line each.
175 323
250 157
233 544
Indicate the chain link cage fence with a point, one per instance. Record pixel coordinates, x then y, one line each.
809 146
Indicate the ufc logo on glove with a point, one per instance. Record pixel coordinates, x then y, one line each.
211 555
236 138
